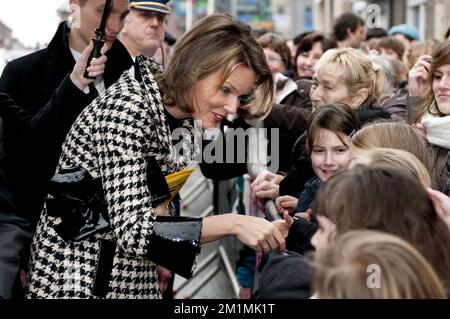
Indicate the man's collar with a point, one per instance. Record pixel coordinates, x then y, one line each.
59 45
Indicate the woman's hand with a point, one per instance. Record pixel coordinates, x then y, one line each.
259 234
284 224
285 204
441 203
418 76
96 68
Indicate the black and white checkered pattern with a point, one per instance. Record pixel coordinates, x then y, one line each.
111 139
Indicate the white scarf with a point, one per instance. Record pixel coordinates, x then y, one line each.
438 130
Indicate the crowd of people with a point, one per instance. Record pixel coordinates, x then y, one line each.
363 179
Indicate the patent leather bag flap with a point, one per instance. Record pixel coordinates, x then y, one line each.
78 200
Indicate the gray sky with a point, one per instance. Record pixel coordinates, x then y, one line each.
32 21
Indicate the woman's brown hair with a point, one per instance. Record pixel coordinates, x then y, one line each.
336 117
388 200
440 57
216 43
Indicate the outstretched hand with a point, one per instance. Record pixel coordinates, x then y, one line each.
306 215
260 234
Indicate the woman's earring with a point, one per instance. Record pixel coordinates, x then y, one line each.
70 21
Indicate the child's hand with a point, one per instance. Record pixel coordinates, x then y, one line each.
285 204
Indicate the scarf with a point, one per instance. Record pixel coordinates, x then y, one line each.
438 130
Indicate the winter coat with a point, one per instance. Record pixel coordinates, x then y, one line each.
113 139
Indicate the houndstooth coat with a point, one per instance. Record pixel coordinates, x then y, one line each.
112 139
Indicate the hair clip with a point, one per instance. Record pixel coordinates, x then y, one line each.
350 136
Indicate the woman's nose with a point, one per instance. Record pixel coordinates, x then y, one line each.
232 105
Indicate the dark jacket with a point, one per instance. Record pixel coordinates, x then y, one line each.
231 165
301 231
39 83
396 105
307 197
14 233
286 277
447 186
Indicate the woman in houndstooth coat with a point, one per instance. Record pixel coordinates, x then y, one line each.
217 68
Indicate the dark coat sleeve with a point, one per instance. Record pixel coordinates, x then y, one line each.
51 124
15 233
44 132
290 119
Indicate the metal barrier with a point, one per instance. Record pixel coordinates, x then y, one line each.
208 273
217 261
209 267
201 185
271 211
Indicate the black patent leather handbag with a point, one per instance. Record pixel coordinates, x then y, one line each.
78 200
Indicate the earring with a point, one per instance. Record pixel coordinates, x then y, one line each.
69 21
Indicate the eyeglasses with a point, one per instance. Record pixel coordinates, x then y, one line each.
274 58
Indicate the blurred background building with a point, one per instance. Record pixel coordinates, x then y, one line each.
7 41
288 17
291 17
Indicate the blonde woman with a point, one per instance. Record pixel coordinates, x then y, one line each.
349 76
364 264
